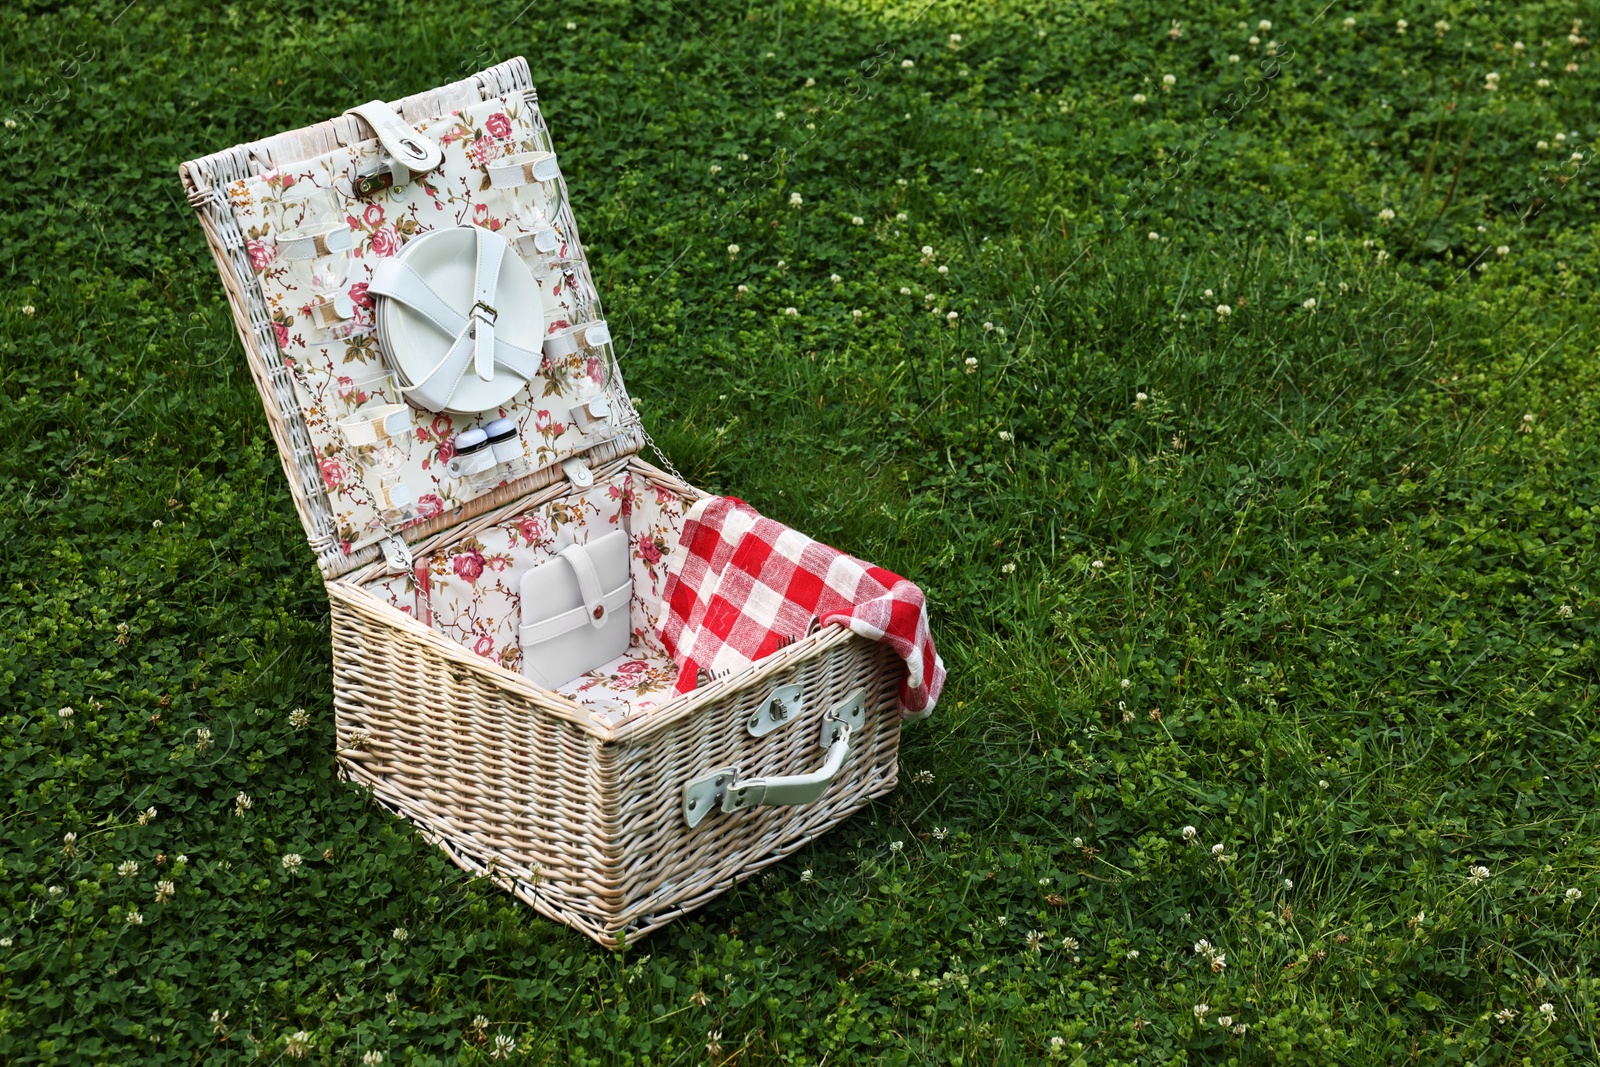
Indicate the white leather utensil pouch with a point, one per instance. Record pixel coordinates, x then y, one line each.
575 611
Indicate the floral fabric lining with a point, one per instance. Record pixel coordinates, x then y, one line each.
470 591
329 373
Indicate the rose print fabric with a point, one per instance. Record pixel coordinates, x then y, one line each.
470 591
333 375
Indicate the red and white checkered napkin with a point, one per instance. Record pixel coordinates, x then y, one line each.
741 586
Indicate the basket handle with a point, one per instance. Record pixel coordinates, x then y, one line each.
789 788
739 794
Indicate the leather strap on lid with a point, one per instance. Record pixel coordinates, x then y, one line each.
594 598
524 168
405 146
483 313
589 335
310 246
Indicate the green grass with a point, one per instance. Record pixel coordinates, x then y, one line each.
1325 594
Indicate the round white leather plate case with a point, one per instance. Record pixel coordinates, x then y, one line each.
447 261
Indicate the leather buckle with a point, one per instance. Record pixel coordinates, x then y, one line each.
480 310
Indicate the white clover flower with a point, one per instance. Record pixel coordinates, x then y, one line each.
400 933
1574 895
1035 940
1441 28
1233 58
857 220
1189 833
127 869
1153 236
940 833
1070 944
242 803
202 739
164 891
69 844
299 1042
955 38
1503 250
1548 1010
1288 883
1311 238
1564 611
146 816
1225 1021
1202 947
943 269
1479 875
900 216
856 314
1219 962
907 64
1216 850
780 116
1543 83
1264 25
896 846
1505 1015
1005 435
1491 81
927 251
733 250
1576 157
1382 256
716 168
135 918
1003 920
972 363
1201 1011
795 200
1098 565
741 290
1168 81
805 875
1349 23
27 309
1310 303
1057 1043
1400 26
791 311
1126 683
1386 215
292 861
66 713
56 892
1138 98
835 279
1009 568
180 862
1254 41
371 1059
1223 311
1239 1030
952 317
572 25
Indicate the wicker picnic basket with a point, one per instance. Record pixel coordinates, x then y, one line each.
610 825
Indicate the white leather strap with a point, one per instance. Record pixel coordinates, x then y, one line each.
396 280
594 598
589 335
524 168
403 144
309 246
482 312
567 621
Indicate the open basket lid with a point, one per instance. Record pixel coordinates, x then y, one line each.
301 223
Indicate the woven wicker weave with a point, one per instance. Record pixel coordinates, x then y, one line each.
582 820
